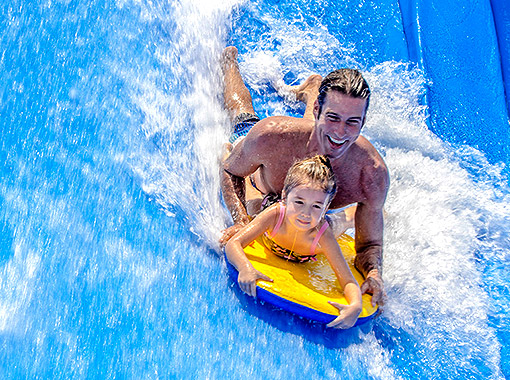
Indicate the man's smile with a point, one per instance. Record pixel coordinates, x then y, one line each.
336 142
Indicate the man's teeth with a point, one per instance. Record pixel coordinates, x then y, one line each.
338 142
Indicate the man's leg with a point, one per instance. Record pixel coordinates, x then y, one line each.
307 93
236 95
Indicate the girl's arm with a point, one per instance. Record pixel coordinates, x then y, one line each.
234 250
348 313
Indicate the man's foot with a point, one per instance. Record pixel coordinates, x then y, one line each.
228 58
308 90
304 92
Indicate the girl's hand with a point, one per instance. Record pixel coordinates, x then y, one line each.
348 316
247 280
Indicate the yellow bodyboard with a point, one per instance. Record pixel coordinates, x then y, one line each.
311 284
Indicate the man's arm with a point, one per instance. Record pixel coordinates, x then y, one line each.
369 226
233 188
369 231
240 163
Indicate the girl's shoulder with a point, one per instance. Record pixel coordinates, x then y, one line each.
325 237
271 215
274 209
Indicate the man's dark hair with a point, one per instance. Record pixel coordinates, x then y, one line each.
346 81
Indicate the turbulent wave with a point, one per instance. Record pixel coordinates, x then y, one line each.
183 117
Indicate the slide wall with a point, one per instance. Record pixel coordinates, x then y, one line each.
464 48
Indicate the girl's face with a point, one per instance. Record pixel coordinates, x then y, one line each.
305 207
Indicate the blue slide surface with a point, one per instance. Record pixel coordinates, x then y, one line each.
464 49
501 12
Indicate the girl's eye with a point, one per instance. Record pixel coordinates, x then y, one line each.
298 202
317 207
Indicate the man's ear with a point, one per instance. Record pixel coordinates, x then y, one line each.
363 120
316 108
364 115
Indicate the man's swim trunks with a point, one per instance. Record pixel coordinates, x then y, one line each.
268 200
242 125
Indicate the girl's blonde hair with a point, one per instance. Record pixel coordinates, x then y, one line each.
315 171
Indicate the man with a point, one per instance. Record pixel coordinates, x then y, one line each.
331 125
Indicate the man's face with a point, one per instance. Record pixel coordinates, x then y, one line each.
339 124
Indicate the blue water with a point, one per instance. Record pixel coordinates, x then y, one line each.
110 208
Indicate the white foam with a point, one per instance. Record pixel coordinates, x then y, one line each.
190 116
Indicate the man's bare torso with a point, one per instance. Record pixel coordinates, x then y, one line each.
275 143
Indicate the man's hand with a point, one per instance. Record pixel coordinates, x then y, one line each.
227 233
374 285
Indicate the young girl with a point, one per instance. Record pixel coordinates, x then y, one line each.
296 230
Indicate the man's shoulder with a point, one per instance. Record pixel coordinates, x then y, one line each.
283 124
374 174
368 155
279 130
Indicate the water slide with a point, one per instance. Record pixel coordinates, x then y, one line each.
111 128
501 14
